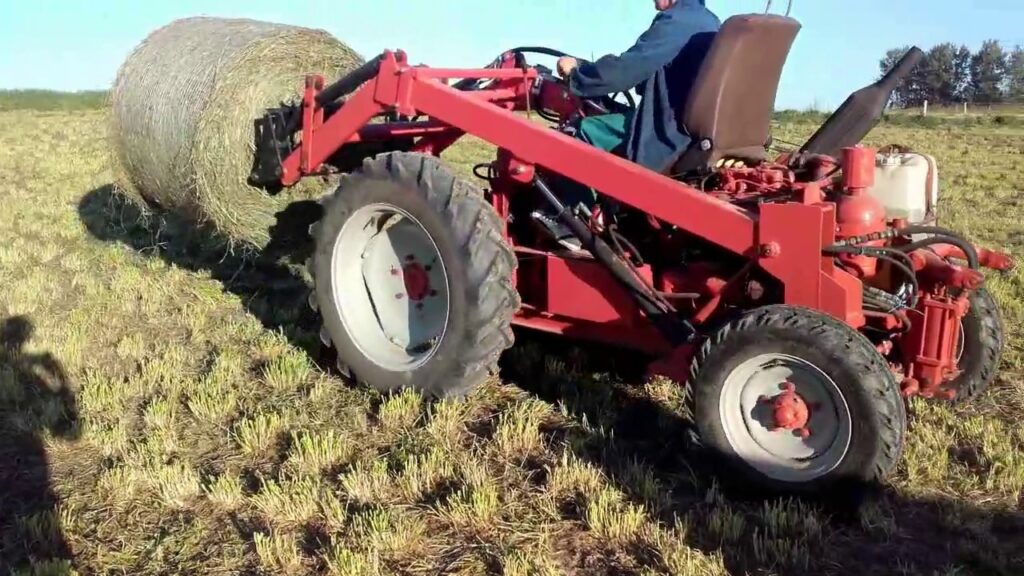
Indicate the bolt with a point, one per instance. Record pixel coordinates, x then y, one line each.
770 250
433 293
419 306
410 257
399 296
394 271
427 268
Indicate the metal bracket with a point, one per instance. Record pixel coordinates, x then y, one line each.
273 145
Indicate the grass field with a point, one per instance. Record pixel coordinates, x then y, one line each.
162 411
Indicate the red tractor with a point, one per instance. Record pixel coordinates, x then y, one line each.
793 294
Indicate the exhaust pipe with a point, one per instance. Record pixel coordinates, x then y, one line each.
861 111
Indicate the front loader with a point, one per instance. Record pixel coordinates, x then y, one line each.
802 297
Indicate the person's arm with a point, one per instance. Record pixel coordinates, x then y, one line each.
658 46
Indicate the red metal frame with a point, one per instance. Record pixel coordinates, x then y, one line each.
579 297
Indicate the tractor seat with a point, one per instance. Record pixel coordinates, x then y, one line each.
728 113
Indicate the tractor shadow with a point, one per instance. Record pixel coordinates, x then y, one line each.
620 422
272 286
36 403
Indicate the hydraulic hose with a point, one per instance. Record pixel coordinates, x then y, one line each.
675 330
940 236
879 294
907 271
901 262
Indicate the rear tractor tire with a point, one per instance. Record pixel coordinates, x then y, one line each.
981 347
791 401
413 278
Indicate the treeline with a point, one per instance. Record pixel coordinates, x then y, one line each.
51 100
952 74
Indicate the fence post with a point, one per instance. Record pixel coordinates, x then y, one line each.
965 108
925 112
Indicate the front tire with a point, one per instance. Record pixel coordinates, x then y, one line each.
748 380
413 278
981 347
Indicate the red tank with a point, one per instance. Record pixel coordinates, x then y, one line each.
857 211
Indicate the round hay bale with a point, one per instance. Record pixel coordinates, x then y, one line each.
183 108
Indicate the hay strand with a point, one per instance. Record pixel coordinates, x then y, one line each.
183 107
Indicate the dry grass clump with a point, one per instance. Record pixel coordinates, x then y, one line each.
184 104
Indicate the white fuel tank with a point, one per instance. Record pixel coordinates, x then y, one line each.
908 186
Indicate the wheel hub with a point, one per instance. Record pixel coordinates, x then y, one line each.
391 286
769 406
791 412
417 282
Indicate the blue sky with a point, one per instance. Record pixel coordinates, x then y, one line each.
76 44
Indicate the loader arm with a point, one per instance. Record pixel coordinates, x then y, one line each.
780 238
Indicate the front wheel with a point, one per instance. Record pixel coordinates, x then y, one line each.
413 277
794 401
980 347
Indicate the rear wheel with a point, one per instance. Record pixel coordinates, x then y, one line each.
413 277
794 401
981 346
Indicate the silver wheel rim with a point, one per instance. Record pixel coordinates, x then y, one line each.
748 417
390 287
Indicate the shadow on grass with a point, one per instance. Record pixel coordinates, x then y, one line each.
627 429
36 402
273 286
872 529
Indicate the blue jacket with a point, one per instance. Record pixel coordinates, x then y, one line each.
662 66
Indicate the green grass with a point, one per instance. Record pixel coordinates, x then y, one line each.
51 100
170 417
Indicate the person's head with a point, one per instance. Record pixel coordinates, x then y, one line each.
15 332
664 4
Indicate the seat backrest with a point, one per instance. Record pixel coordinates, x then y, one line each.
732 101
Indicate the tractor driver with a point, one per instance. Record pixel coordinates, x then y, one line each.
662 65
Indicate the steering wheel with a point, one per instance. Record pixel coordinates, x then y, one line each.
590 106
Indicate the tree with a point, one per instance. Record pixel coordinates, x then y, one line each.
1015 75
988 70
939 74
962 61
